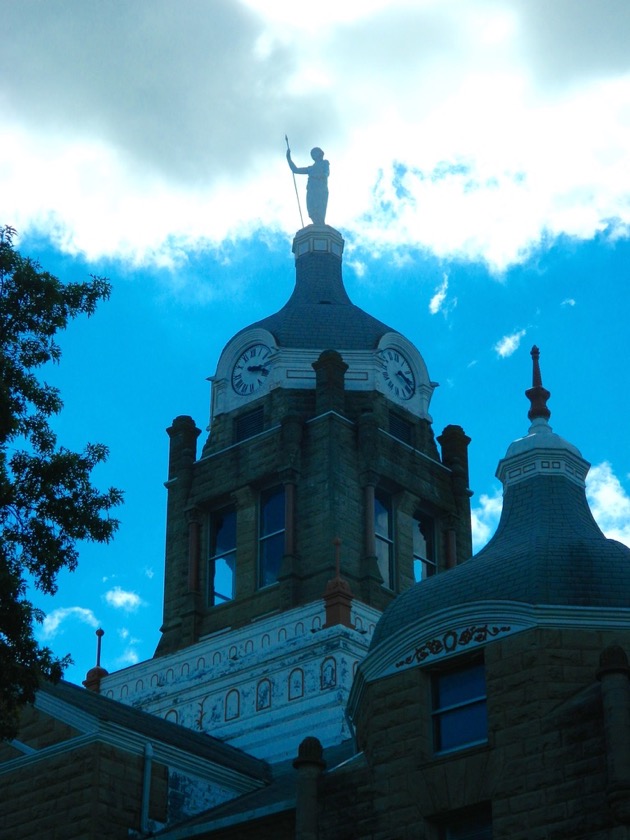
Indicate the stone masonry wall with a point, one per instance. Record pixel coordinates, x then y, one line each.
543 769
93 791
85 791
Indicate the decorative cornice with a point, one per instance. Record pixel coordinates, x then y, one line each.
453 640
446 633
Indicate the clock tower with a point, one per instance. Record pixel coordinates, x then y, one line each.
320 429
319 495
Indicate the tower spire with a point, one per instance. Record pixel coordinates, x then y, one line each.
94 676
537 395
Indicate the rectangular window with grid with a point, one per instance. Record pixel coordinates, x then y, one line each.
222 562
424 559
271 528
460 716
384 538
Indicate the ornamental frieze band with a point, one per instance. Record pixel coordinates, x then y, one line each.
452 640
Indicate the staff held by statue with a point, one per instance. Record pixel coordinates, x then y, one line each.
316 186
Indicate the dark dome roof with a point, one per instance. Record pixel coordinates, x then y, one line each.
319 313
548 550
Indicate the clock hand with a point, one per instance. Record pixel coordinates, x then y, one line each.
405 379
261 368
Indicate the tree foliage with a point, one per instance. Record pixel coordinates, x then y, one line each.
47 501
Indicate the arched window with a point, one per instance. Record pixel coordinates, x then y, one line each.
296 684
263 695
232 704
329 672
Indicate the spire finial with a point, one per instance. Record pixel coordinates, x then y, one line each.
94 676
99 635
537 395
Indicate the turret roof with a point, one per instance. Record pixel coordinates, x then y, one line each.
547 550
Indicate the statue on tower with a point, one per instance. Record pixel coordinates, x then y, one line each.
316 186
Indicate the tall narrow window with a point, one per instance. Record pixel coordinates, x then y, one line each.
222 565
383 533
424 560
270 535
460 716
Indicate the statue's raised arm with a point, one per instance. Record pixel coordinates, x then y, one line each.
316 186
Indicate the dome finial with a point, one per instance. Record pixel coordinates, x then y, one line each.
94 676
537 395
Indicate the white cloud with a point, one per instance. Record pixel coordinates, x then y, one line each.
568 302
52 623
609 502
148 571
122 600
439 297
128 657
509 344
474 129
485 518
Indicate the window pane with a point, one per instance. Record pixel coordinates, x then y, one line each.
422 570
384 561
272 511
223 586
465 725
419 541
382 517
459 707
224 533
453 687
222 564
271 552
424 563
270 536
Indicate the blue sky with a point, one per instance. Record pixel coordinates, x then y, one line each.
480 174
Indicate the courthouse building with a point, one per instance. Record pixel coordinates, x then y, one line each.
333 663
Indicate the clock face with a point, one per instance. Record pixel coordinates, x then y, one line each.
397 374
251 369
